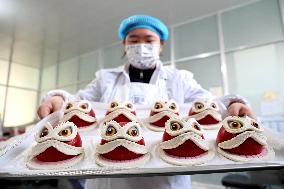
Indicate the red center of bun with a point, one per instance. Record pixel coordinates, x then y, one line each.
162 121
208 120
51 154
192 113
249 147
120 153
79 122
121 117
187 149
92 113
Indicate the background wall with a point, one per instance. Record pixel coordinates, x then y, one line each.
233 50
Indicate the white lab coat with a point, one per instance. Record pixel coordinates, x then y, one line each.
179 86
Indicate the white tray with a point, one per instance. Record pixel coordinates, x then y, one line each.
13 156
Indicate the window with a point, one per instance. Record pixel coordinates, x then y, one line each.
112 56
3 71
24 76
68 71
2 98
252 24
256 72
48 77
89 64
196 37
20 104
207 72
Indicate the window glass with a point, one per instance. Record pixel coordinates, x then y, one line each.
24 76
196 37
207 72
89 64
68 71
256 23
22 105
3 71
257 74
112 56
48 77
2 98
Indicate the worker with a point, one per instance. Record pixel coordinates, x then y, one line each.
142 80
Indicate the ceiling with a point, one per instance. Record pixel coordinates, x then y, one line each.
54 30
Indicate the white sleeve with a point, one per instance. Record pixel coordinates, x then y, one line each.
92 92
227 100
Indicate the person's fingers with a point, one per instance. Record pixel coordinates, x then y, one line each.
233 110
43 111
238 109
52 105
56 105
245 111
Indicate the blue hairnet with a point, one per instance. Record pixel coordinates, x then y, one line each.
143 21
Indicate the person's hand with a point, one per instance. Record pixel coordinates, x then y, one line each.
51 105
239 109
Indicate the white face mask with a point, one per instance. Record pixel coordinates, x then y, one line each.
143 56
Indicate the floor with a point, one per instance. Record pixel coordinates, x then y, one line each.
213 181
204 181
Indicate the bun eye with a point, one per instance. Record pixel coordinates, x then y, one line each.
235 124
158 105
198 106
133 131
44 132
173 106
196 126
66 132
110 131
213 105
255 124
84 106
175 126
113 104
129 105
68 106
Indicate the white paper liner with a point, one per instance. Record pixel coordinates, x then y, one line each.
100 160
211 126
4 144
267 154
196 160
35 164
